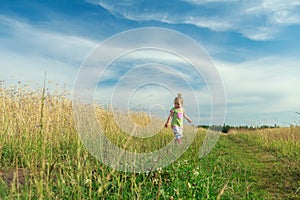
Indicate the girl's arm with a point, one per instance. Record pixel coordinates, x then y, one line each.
168 120
187 118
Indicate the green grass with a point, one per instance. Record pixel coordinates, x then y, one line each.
234 169
50 162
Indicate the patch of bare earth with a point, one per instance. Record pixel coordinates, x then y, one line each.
14 176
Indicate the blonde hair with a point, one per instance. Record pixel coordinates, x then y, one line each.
178 98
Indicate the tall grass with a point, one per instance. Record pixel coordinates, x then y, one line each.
277 152
42 157
283 141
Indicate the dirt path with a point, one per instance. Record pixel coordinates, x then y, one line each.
280 177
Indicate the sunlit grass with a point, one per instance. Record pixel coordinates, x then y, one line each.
42 157
281 141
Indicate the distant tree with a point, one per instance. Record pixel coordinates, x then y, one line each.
225 128
203 126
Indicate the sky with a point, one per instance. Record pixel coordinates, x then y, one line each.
254 46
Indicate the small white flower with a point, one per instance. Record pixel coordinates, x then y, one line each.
177 192
159 170
196 173
87 181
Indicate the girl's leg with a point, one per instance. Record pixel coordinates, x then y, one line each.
178 134
178 141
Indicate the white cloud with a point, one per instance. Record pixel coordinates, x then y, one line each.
278 12
16 67
256 20
26 38
27 52
261 33
264 87
199 2
211 23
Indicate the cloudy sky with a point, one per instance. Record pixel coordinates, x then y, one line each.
253 44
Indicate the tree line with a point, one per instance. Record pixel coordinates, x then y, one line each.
226 128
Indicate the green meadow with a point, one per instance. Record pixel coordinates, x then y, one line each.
42 157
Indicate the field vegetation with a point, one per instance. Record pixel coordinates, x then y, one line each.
42 157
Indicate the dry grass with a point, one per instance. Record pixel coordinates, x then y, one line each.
38 140
283 141
42 157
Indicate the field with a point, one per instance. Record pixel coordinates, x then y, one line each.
42 157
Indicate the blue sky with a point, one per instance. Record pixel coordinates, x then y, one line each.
254 45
